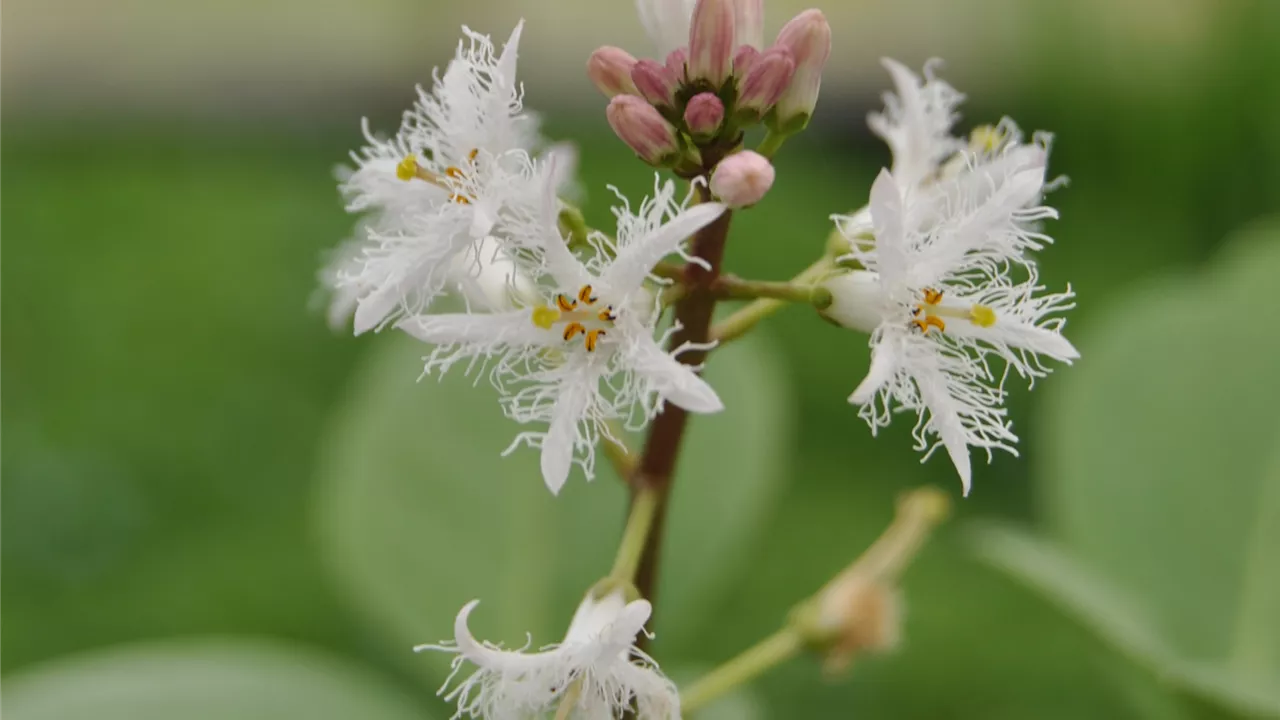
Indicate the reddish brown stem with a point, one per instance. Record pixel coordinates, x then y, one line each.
662 448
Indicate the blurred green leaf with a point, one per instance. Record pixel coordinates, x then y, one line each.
1047 569
203 680
419 513
1158 452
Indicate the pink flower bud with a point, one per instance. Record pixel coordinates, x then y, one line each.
655 83
711 41
742 179
640 126
610 69
808 37
749 23
743 59
703 114
678 63
766 80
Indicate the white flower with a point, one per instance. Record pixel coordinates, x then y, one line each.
667 23
597 669
943 293
459 166
916 123
587 354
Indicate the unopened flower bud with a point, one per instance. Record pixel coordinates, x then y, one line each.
808 37
855 300
765 82
742 179
749 25
744 59
655 83
703 115
678 63
610 70
711 41
639 125
869 621
858 610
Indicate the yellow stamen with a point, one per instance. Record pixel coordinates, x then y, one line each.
607 315
544 317
982 316
584 294
574 328
930 313
565 303
593 337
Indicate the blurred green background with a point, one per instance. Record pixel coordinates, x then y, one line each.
215 507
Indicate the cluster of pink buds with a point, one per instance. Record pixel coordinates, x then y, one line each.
689 112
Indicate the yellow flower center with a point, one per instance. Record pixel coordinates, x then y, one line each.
578 317
930 313
453 178
987 138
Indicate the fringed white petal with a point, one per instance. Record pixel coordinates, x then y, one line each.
636 260
674 381
884 365
561 440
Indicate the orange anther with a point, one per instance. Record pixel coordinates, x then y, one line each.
573 329
929 321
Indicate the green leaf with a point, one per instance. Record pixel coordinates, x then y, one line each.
1162 490
203 680
1045 568
419 513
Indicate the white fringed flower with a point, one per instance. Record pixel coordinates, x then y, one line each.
597 669
458 167
946 287
587 353
917 125
916 122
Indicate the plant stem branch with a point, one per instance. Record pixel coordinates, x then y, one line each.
574 224
750 664
732 288
644 507
620 456
747 317
569 700
771 144
662 447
